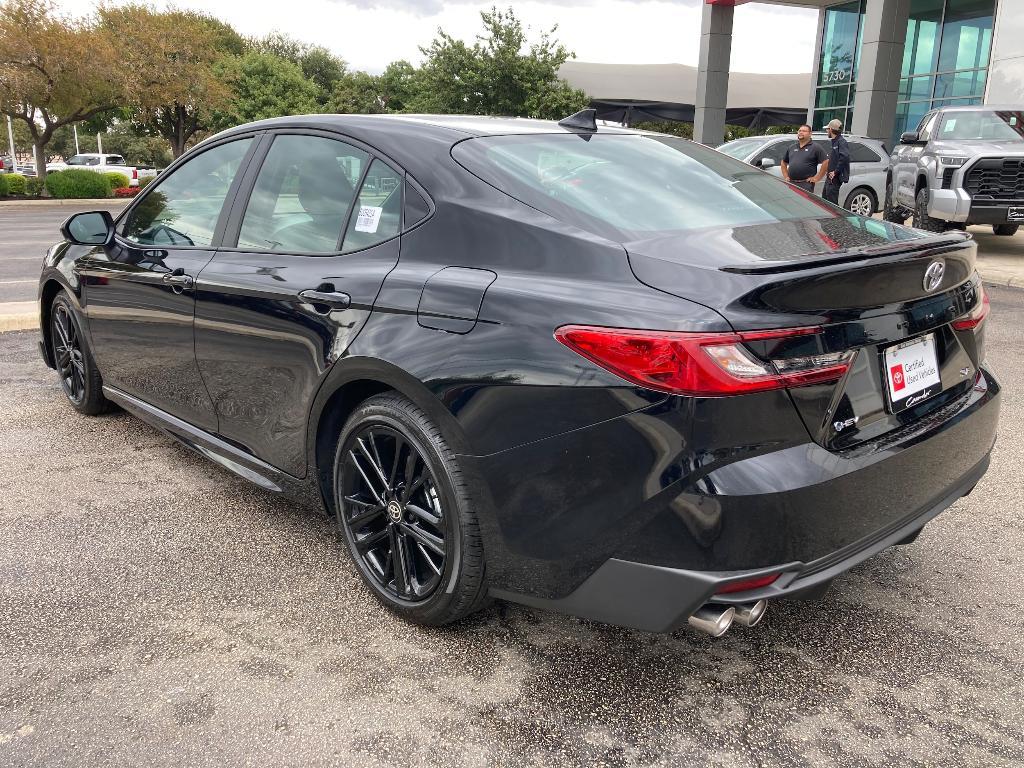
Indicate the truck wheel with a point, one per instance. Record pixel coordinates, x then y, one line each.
921 218
892 212
1005 230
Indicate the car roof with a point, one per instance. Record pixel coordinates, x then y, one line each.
975 107
815 135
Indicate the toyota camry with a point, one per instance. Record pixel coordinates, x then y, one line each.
590 369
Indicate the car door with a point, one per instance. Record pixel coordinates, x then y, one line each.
310 240
906 166
139 291
867 169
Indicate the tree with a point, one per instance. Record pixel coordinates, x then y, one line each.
265 85
317 63
55 71
501 74
173 56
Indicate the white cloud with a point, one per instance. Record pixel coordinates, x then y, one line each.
370 33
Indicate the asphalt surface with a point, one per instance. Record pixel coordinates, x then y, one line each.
25 234
155 610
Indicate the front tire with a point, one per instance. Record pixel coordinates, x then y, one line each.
921 218
404 509
79 377
1005 230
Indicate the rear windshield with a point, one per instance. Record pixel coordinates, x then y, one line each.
629 187
741 149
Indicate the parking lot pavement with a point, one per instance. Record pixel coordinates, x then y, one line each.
26 231
155 610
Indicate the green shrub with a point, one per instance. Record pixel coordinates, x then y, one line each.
77 183
117 180
33 186
15 183
3 185
144 180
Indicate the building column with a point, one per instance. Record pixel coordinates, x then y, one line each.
881 59
816 69
713 74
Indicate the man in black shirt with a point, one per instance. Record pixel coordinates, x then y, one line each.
838 163
801 162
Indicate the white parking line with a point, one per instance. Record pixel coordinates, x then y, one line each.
17 282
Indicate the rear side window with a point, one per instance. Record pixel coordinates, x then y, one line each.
774 151
378 213
303 194
184 207
115 160
629 186
862 154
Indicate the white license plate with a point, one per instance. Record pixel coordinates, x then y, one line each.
1015 214
912 372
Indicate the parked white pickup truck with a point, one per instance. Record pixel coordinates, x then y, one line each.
93 161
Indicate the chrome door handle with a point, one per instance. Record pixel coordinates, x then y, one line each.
179 282
332 299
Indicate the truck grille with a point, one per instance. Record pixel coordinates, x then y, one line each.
995 180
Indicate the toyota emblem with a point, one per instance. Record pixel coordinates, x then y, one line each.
933 275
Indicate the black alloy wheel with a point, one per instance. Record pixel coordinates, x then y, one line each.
68 354
393 512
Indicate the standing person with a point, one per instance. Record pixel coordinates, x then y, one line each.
838 163
801 162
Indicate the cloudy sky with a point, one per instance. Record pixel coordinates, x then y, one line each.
370 33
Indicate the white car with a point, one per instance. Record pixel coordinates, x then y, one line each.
94 161
863 194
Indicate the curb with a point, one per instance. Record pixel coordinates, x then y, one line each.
19 315
78 202
1014 283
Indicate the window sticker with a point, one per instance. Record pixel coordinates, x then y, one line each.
950 125
368 219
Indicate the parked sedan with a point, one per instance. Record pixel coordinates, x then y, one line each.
863 194
594 370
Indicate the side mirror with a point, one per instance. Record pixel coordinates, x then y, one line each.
89 228
910 137
767 162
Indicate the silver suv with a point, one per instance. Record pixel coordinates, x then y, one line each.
963 165
869 161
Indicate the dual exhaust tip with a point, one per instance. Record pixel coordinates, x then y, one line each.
715 620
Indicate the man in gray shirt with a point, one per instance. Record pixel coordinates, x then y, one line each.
800 166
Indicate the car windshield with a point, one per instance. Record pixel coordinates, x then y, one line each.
741 149
84 160
631 186
982 124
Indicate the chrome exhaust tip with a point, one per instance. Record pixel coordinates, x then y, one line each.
715 620
750 614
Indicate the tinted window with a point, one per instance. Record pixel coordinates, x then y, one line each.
416 207
378 213
83 160
115 160
774 151
302 195
184 207
628 187
862 154
740 148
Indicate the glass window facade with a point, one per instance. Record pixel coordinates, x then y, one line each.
945 59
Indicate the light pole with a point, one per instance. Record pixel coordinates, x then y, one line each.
10 138
75 128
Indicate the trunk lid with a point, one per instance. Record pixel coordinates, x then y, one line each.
862 280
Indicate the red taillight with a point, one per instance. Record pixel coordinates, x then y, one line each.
743 586
135 173
702 364
977 315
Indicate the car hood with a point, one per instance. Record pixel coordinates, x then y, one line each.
979 148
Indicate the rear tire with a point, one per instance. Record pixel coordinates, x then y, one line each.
891 211
861 202
79 377
921 218
404 509
1005 230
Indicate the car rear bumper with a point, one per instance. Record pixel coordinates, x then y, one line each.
802 511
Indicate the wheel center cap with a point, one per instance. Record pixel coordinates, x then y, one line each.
394 511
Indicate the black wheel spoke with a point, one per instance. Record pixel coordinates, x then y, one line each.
400 561
374 463
424 514
429 540
428 559
400 444
369 485
372 540
411 488
366 513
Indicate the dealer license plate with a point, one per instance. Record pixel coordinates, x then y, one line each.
1015 214
912 372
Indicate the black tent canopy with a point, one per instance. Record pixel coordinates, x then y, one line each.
629 111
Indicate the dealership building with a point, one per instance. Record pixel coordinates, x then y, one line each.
880 65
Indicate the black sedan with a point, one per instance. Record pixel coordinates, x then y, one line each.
589 369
